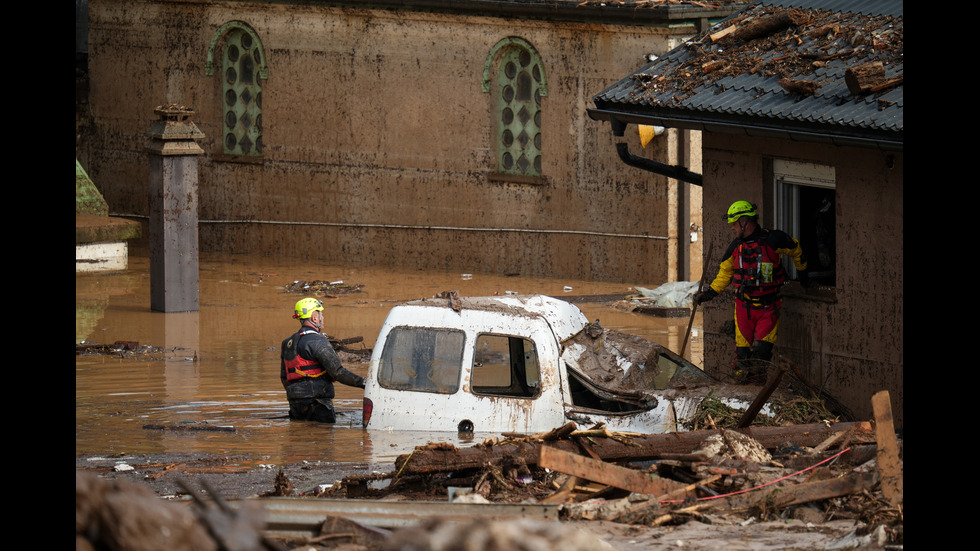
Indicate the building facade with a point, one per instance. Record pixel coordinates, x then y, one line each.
445 135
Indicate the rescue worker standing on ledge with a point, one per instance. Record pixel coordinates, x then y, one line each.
310 366
752 264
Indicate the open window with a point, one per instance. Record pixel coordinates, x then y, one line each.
805 207
505 366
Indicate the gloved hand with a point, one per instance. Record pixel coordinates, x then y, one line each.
705 296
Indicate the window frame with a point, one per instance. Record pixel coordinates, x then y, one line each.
790 179
530 388
253 132
496 79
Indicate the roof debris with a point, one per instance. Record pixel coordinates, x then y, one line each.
780 43
778 65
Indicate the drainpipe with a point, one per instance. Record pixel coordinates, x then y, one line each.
684 211
679 173
675 172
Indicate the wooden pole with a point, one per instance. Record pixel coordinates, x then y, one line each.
694 304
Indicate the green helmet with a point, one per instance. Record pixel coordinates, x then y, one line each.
740 209
306 307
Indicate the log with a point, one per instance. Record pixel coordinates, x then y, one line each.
786 496
426 460
606 473
803 87
860 79
769 25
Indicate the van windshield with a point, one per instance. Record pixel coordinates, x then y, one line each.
422 359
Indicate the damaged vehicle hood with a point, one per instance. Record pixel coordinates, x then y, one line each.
634 370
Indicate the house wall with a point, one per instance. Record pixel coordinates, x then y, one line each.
850 341
378 139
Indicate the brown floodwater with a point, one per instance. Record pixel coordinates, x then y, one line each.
219 368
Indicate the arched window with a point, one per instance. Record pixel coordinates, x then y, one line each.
242 69
520 87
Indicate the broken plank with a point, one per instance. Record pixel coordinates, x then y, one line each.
889 463
563 493
605 473
722 34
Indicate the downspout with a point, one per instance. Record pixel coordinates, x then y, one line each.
676 172
679 173
684 210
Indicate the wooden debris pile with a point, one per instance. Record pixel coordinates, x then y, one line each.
715 413
816 472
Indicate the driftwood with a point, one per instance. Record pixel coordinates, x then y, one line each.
638 448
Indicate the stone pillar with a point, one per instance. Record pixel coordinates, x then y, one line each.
173 232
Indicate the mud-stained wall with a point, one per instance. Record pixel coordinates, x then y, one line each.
378 139
848 341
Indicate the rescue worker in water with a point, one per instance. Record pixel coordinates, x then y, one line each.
752 264
310 366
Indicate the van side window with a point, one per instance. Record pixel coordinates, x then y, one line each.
422 359
505 366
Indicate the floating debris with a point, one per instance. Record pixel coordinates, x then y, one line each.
323 288
133 350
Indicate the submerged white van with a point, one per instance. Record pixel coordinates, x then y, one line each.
524 364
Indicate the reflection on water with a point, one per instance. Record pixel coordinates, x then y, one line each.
220 366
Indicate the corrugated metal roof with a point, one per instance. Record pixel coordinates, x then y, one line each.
729 81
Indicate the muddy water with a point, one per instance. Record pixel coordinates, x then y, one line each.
220 366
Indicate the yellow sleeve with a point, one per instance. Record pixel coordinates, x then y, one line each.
796 253
724 277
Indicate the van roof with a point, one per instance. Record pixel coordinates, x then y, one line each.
564 318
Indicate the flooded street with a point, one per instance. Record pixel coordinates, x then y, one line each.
220 367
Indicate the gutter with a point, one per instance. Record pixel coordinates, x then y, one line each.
784 131
622 13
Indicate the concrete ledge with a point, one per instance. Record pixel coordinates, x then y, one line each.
101 257
105 229
100 242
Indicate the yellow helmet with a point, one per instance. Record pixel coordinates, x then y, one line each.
306 307
740 209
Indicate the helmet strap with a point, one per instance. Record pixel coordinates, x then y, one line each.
310 323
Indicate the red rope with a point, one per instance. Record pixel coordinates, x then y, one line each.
778 479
